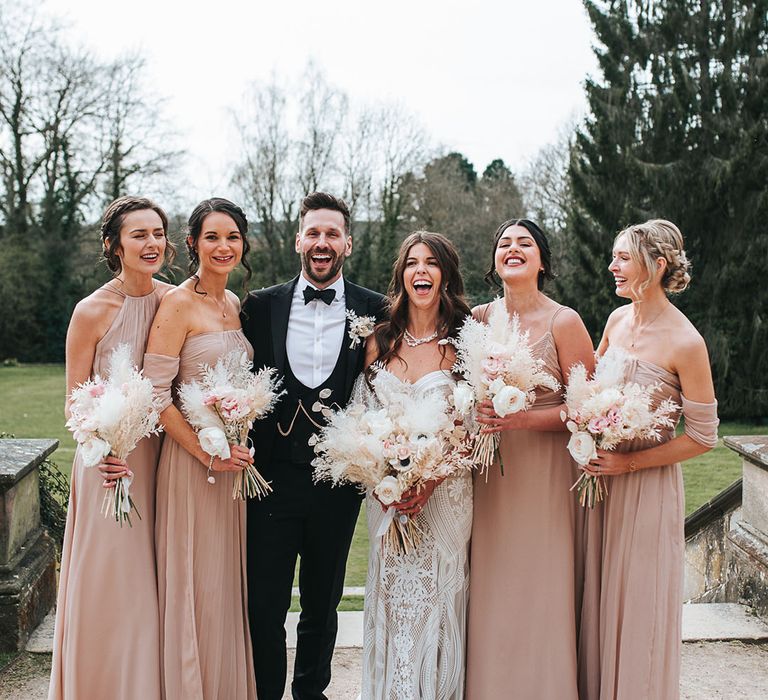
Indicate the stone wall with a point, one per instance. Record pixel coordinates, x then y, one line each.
726 544
27 553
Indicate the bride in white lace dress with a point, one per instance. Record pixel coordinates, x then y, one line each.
416 603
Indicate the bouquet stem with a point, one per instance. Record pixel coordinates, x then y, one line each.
484 452
591 489
250 484
118 503
401 536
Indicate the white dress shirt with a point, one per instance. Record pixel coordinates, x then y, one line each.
315 333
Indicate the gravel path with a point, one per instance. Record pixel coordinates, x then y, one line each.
711 670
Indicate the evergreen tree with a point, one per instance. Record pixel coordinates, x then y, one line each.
678 129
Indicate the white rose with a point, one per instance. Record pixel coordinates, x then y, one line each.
214 442
388 490
463 398
582 447
93 451
508 400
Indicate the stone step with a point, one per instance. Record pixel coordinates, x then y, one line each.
708 622
702 622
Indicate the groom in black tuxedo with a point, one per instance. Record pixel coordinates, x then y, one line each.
302 329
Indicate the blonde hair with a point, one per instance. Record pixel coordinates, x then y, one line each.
654 239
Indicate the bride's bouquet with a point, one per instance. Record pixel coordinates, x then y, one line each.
497 363
605 410
222 408
394 441
108 416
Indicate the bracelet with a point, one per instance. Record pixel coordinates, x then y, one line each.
633 466
211 478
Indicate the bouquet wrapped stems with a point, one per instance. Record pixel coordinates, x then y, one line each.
117 501
403 535
249 483
590 489
484 451
398 532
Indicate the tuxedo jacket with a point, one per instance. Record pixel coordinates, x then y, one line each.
264 317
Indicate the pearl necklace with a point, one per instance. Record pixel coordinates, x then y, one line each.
412 342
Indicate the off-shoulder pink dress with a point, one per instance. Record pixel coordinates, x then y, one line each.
200 539
522 588
643 557
106 642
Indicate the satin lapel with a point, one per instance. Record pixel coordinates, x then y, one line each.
280 310
359 305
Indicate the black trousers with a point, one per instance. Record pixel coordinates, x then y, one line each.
315 522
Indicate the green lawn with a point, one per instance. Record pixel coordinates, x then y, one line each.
32 400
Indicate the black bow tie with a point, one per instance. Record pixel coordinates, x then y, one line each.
324 295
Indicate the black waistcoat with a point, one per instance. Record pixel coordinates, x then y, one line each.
295 447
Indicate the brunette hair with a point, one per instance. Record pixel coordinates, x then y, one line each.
323 200
112 222
453 309
195 227
492 278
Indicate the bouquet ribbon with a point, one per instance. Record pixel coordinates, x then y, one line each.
125 484
389 516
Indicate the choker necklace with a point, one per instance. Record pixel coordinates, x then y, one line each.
412 342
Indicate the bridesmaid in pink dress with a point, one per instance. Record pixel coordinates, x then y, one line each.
641 585
106 638
205 646
523 586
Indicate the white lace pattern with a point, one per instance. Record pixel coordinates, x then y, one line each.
416 603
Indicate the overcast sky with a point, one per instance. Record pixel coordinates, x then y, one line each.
490 78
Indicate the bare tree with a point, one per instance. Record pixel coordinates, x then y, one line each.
263 176
545 182
322 113
138 143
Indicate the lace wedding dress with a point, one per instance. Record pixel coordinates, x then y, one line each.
416 603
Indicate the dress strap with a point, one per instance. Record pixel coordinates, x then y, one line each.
554 316
486 309
109 286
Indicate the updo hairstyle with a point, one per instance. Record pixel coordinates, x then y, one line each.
654 239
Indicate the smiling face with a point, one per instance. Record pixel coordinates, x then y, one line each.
517 257
422 277
628 273
323 245
220 243
142 242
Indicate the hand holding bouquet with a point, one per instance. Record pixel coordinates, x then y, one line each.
497 363
395 441
109 417
222 408
604 411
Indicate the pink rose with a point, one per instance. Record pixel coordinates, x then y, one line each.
96 390
598 425
403 452
614 416
492 367
210 399
229 408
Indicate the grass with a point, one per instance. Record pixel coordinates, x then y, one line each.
32 406
707 475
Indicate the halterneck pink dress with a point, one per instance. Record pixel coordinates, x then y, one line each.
106 640
643 558
200 539
522 588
